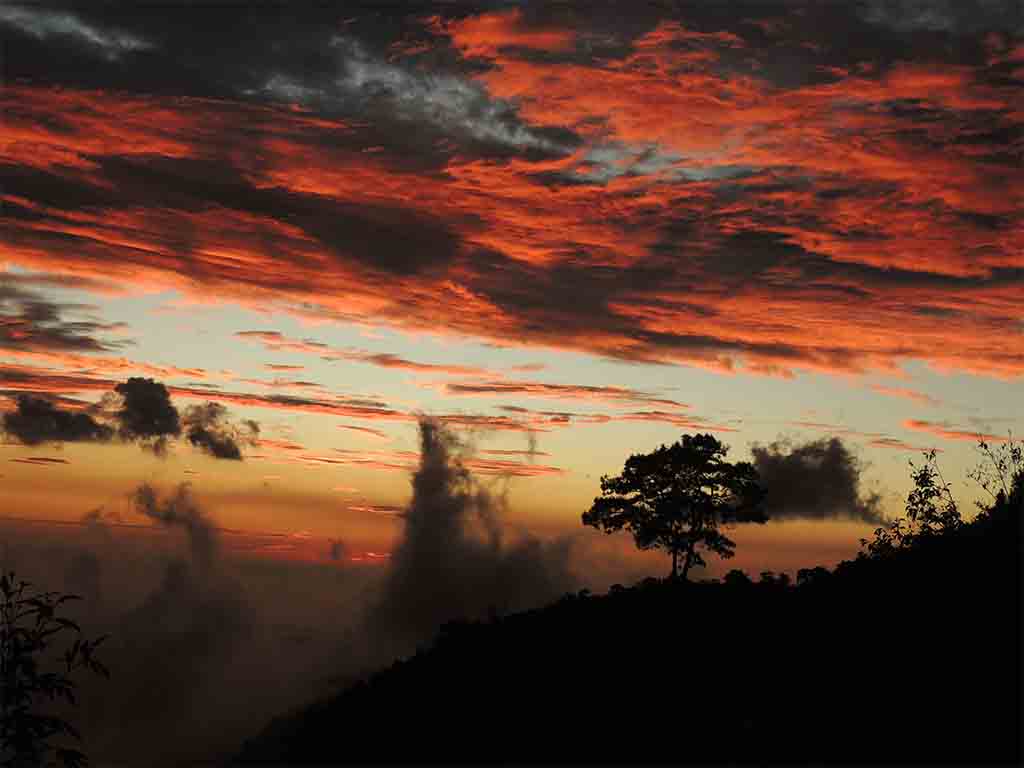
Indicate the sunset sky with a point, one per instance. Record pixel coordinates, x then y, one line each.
569 231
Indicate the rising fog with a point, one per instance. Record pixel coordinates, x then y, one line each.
206 646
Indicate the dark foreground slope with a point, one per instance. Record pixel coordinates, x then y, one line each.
910 658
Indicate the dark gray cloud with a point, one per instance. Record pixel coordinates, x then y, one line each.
147 414
369 84
818 480
43 24
951 16
30 322
385 52
208 428
137 410
36 420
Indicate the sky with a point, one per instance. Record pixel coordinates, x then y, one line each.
566 232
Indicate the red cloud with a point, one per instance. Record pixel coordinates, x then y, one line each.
487 34
387 510
558 391
948 432
365 430
675 419
409 460
899 445
275 341
909 394
509 452
277 444
708 217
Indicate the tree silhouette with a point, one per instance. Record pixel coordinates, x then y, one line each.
676 497
29 627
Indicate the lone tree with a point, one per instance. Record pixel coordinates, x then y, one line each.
677 496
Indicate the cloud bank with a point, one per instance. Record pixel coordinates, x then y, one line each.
818 480
706 185
138 410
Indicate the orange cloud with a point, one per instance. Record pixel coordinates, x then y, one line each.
949 432
365 431
703 216
275 341
557 391
486 35
899 445
908 394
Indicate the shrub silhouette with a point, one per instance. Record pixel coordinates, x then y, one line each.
931 508
677 496
736 578
29 629
1000 473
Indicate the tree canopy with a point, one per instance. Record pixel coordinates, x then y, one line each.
677 497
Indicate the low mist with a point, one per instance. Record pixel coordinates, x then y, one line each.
206 646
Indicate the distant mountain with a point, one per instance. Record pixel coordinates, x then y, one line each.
913 657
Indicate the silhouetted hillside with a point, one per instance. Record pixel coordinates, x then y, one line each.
910 657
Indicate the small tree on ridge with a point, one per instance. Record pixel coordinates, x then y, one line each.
676 498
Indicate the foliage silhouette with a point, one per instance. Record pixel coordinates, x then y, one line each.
1000 471
736 578
29 628
676 497
931 508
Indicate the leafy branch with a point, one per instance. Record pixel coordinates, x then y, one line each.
30 628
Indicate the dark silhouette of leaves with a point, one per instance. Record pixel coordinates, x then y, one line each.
677 497
29 626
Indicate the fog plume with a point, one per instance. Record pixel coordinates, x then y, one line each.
455 558
204 646
818 480
179 510
207 645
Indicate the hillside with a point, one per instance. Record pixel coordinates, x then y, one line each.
914 657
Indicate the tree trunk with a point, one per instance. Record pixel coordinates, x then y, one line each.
687 561
675 567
